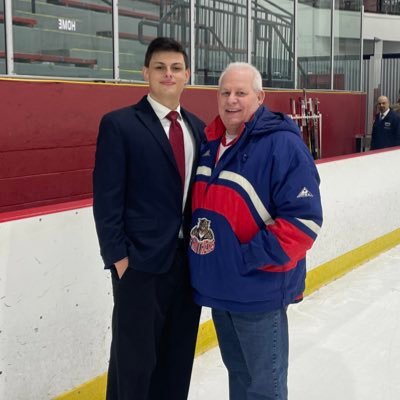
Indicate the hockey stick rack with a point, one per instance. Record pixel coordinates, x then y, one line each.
309 119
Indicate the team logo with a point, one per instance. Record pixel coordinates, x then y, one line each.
202 239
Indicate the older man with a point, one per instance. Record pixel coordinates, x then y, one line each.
256 212
386 128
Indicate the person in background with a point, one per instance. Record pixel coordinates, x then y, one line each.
386 127
396 106
256 211
145 156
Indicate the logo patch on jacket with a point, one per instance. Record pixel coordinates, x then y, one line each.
202 240
304 193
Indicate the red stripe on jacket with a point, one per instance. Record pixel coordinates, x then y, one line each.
292 240
230 204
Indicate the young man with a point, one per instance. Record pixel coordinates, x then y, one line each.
256 211
141 182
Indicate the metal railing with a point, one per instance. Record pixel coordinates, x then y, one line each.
221 37
382 6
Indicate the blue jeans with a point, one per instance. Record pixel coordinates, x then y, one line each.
254 348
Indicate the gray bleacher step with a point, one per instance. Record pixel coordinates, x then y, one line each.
35 40
48 69
100 7
130 60
152 7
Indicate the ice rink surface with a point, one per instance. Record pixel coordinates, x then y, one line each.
344 340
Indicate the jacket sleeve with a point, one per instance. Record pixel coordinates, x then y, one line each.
372 145
295 209
109 177
397 131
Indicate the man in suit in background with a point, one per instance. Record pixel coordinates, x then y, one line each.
144 165
386 128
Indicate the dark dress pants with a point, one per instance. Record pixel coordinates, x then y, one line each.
155 325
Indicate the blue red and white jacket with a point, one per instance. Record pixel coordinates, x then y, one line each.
256 212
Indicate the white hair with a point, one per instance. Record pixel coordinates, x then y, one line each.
257 81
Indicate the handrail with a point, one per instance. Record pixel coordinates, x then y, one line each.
214 34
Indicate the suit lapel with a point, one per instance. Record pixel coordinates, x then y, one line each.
148 117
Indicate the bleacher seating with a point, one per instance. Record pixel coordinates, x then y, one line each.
125 35
43 46
30 22
31 57
101 8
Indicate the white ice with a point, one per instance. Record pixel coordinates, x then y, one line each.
344 340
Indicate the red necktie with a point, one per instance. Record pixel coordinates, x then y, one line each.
176 140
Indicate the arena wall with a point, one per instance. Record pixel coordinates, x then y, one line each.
56 301
49 129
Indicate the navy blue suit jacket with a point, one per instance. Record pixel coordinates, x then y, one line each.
386 132
137 192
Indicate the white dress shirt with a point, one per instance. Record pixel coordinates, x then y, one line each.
383 115
188 141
